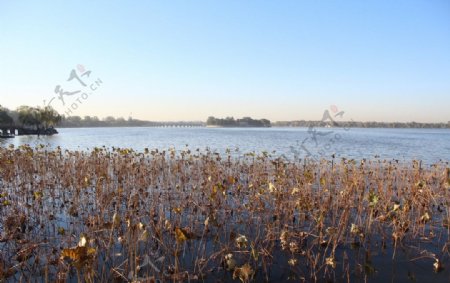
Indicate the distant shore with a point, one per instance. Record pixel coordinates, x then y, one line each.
275 125
89 122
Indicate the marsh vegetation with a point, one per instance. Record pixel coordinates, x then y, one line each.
119 215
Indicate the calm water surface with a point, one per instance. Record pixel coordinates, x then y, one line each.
429 145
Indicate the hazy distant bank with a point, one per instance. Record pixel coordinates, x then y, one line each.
278 124
355 124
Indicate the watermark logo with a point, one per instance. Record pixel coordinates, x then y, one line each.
319 140
72 100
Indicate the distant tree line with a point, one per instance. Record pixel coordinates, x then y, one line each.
35 118
94 121
353 124
231 122
40 119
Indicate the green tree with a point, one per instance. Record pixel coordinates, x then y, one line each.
5 118
211 121
29 116
49 117
38 117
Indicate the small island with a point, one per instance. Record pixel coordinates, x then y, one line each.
238 123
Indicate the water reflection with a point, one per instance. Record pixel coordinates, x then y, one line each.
4 142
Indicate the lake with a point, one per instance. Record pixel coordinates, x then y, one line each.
428 145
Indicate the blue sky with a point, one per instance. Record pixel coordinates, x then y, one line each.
187 60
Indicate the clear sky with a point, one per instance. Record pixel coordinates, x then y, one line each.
187 60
